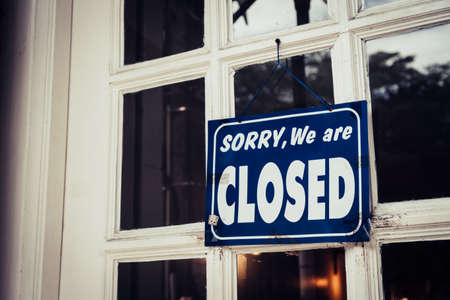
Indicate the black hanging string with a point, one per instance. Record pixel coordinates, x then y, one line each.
272 72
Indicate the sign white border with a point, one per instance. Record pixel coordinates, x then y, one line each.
293 235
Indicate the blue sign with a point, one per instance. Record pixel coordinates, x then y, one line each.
298 176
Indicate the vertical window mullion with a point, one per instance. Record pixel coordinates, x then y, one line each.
342 10
214 274
220 279
348 71
220 263
349 81
373 263
356 269
230 274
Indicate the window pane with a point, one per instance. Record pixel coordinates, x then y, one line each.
162 280
160 28
371 3
282 91
315 274
163 156
410 89
253 17
416 271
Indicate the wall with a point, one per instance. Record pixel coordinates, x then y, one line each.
15 61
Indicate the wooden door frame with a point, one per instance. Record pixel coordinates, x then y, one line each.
41 174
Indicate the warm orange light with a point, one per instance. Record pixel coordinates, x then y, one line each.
404 298
336 287
336 279
321 282
242 267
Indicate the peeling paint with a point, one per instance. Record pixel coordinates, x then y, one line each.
385 220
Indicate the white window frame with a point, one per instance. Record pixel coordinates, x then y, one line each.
345 33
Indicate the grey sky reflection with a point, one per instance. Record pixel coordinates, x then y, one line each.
266 16
371 3
428 46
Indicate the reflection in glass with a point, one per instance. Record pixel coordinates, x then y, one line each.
253 17
371 3
160 28
416 271
410 89
162 280
314 274
282 91
163 156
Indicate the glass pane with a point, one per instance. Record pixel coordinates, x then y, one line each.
253 17
410 88
315 274
371 3
416 271
160 28
163 159
162 280
282 91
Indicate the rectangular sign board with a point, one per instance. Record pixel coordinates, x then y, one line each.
297 176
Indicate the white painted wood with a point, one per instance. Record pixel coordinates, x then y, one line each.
355 267
117 49
346 68
412 220
231 42
311 38
283 248
343 59
233 258
51 260
116 37
356 6
193 229
406 18
340 10
16 159
210 25
39 117
229 278
217 274
115 164
42 131
160 62
148 77
419 220
227 77
97 85
228 15
373 265
93 242
142 255
225 24
113 258
363 86
33 198
350 82
111 277
85 212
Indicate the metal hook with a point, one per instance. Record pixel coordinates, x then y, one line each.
279 64
278 41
